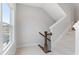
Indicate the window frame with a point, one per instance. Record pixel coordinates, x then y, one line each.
11 29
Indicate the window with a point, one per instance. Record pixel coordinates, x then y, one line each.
0 31
6 13
5 25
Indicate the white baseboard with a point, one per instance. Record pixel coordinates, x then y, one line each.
60 37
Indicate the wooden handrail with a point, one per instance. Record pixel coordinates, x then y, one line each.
44 36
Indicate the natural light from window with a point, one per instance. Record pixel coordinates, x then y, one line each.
6 13
6 24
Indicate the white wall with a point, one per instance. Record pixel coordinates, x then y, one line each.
76 27
77 41
76 11
53 10
60 28
39 5
0 11
69 10
29 22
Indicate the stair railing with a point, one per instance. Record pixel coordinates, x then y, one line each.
45 35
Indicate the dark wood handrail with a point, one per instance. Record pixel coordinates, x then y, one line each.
44 36
45 48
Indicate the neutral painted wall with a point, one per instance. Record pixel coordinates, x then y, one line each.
77 41
53 10
69 10
0 11
76 27
76 11
39 5
29 22
60 28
